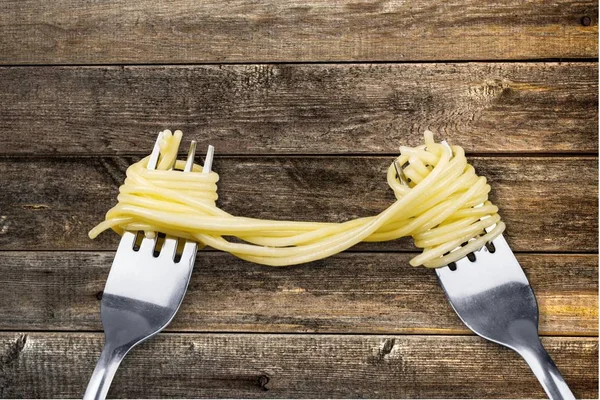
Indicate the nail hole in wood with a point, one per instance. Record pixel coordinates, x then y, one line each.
586 21
263 381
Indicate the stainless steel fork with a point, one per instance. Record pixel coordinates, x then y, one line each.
492 296
143 293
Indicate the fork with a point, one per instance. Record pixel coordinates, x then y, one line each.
143 291
492 296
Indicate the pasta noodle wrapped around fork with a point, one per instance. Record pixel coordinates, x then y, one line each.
440 201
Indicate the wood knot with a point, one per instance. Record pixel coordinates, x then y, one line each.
99 295
14 350
489 90
387 347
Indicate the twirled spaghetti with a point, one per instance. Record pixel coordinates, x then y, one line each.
441 203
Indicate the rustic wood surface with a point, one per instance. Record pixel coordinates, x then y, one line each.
306 104
280 366
352 293
323 108
549 203
184 31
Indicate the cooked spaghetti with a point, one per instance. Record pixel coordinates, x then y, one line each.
440 202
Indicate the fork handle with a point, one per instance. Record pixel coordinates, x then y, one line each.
103 374
546 372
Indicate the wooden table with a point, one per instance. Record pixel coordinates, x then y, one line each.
306 103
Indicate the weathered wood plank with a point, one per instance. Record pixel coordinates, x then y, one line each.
348 293
266 109
549 204
119 31
47 365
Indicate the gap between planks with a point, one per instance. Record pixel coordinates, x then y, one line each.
282 334
349 251
316 62
382 155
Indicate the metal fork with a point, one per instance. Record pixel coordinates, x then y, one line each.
143 292
492 296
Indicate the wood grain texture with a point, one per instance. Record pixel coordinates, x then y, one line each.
347 293
275 109
48 365
86 85
549 204
183 31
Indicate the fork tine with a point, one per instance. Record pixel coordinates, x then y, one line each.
147 245
209 160
400 174
153 161
189 163
127 241
189 250
169 248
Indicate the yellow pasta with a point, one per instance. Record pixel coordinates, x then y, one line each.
440 202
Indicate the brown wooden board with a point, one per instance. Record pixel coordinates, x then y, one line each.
184 31
306 104
347 293
301 109
47 365
549 203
